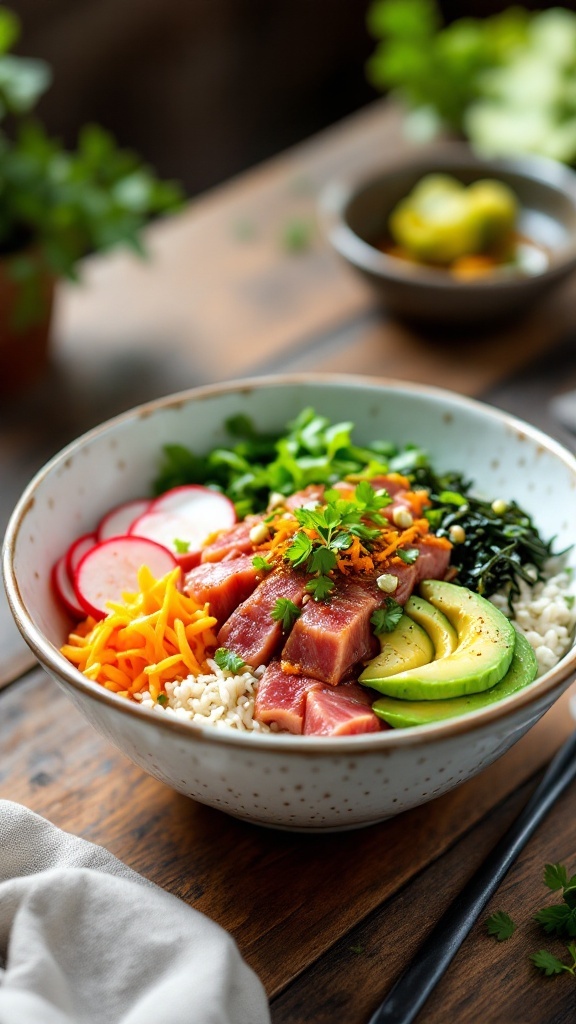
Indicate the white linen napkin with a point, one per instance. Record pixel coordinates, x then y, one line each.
85 940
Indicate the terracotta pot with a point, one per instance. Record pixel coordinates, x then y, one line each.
23 350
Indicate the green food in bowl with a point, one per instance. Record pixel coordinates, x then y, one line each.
442 220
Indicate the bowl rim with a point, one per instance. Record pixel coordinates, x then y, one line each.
49 656
337 194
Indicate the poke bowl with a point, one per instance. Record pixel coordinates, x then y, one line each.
400 476
357 212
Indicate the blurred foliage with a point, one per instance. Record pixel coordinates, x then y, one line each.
56 206
506 82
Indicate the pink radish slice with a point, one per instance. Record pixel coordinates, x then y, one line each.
64 590
187 514
117 522
111 567
76 552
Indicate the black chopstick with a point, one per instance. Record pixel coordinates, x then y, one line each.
414 986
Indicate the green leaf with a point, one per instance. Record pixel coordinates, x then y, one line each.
548 963
558 919
555 876
182 547
323 561
408 555
285 612
261 563
9 29
300 550
500 925
162 699
228 661
386 619
320 587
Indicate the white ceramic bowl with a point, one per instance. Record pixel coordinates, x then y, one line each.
286 781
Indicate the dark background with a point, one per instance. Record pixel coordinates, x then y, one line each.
205 88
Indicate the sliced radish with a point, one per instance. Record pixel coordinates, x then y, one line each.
64 590
117 522
183 518
111 567
76 552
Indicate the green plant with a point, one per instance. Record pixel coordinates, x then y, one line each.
506 82
57 206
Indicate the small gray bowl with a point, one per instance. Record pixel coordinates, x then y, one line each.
355 215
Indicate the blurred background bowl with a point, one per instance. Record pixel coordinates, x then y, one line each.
355 215
281 780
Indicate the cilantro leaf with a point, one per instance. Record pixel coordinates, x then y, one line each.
555 876
500 925
322 561
181 547
261 563
285 612
228 661
558 919
320 587
550 964
408 555
300 549
386 619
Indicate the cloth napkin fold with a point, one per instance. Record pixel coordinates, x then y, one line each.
85 940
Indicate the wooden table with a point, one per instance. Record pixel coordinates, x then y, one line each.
329 921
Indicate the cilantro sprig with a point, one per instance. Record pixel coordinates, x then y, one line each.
558 919
228 661
500 925
285 612
386 618
334 524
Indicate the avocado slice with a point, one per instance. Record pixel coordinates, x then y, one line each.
404 713
439 629
481 659
407 646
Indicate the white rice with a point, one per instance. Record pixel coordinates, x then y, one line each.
545 613
219 698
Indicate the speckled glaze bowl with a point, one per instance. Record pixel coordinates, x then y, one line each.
355 213
286 781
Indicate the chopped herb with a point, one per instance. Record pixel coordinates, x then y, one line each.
228 661
182 547
386 619
285 612
261 563
162 699
356 949
500 925
409 555
297 235
556 877
320 587
550 964
334 523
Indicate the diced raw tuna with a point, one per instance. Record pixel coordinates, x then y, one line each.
281 698
330 637
432 562
407 576
223 584
251 631
310 495
231 543
394 483
332 713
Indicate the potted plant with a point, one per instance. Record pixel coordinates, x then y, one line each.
56 206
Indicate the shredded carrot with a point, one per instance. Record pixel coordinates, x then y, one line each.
153 636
